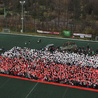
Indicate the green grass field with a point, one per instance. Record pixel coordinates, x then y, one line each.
8 41
16 88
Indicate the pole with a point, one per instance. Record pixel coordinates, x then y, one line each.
22 16
22 19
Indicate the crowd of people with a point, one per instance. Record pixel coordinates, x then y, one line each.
62 67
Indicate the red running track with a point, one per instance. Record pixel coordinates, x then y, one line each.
51 83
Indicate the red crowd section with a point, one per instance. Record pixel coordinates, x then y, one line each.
39 70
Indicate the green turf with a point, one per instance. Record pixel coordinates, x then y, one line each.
14 88
9 40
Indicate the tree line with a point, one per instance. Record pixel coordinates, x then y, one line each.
55 15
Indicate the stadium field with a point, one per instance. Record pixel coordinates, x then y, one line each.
7 41
14 87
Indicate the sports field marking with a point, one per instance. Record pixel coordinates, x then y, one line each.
4 82
31 90
65 92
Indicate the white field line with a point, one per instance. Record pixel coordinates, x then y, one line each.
4 82
31 90
65 92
